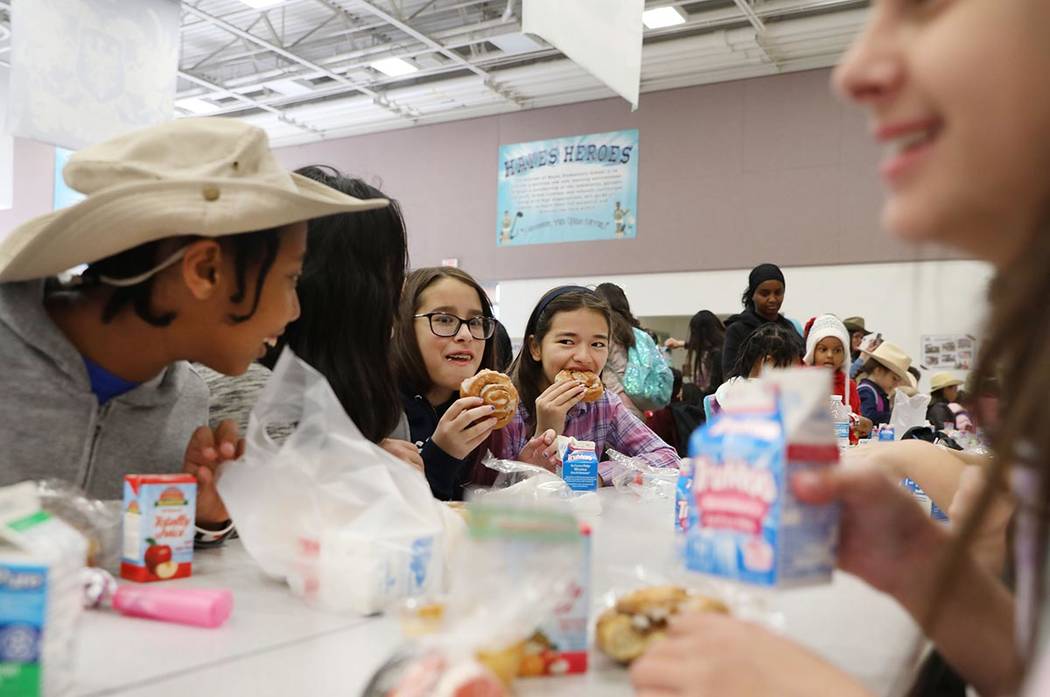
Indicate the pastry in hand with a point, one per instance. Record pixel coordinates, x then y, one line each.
638 619
592 382
496 389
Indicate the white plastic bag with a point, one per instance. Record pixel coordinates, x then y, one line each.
908 412
346 524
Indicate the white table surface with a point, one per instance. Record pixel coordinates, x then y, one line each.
274 644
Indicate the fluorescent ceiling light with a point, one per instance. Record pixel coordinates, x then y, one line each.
196 105
660 17
288 87
516 43
394 67
261 4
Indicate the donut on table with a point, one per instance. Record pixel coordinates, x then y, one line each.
496 389
591 381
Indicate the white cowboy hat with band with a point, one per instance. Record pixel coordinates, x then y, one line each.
891 357
942 380
205 177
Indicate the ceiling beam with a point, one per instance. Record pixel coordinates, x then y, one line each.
377 98
749 12
250 102
489 83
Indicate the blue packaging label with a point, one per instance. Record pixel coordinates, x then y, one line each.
23 608
580 468
924 499
887 433
842 430
684 503
749 526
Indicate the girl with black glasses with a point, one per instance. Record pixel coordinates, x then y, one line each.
442 337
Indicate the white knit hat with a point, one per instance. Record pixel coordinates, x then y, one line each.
823 327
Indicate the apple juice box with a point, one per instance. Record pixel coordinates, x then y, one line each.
158 526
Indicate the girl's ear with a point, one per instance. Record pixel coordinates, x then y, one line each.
534 348
202 268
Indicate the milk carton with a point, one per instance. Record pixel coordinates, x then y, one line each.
579 464
41 558
750 528
559 645
159 511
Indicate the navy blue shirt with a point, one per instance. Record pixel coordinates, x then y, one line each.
105 384
446 475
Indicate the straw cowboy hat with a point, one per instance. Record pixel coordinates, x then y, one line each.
941 380
203 176
891 357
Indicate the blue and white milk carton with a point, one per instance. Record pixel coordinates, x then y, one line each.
579 464
749 526
41 595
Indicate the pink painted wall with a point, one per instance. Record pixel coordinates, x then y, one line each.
730 175
33 186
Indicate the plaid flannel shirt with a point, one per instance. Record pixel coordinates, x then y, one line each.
607 423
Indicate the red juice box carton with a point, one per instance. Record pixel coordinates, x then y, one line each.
158 526
559 646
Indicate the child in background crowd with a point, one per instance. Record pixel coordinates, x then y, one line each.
662 421
703 358
95 382
442 337
826 342
623 325
886 369
770 346
569 329
945 411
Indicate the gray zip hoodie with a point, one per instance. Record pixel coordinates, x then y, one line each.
50 421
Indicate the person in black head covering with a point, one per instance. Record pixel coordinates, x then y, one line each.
762 301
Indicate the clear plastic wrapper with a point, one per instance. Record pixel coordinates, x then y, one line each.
475 638
347 525
98 522
635 475
519 483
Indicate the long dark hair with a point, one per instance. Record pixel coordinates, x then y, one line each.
526 371
623 321
409 369
770 339
352 276
1016 356
248 249
707 334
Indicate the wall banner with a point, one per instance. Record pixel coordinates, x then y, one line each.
568 189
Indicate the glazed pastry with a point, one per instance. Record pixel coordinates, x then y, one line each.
592 382
626 631
496 389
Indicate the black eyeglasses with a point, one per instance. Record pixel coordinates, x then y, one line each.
446 325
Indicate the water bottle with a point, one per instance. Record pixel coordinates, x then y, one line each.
887 433
840 416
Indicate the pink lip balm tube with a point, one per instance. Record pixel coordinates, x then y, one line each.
203 607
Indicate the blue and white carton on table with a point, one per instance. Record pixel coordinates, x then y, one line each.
579 464
41 595
748 525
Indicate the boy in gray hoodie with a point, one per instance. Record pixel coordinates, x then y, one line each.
194 238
